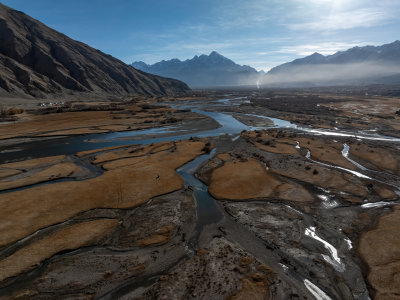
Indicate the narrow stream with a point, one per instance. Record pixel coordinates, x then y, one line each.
334 259
345 153
208 211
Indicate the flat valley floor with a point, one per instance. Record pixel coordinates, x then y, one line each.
217 195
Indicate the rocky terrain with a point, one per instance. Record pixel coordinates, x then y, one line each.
38 62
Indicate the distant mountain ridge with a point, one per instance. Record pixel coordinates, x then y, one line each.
37 61
389 53
203 71
355 66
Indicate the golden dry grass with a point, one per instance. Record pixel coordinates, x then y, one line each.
327 178
34 163
381 158
8 172
268 143
24 212
70 238
84 122
326 151
242 180
321 149
131 152
250 180
57 171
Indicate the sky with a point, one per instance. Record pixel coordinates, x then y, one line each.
259 33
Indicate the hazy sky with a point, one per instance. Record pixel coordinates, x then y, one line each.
260 33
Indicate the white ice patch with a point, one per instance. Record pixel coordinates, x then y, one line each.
349 244
293 209
284 267
345 153
376 204
335 259
235 138
331 204
316 291
323 197
324 190
358 174
327 202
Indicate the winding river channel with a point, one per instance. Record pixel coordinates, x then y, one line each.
228 125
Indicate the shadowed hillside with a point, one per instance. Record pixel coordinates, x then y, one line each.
36 61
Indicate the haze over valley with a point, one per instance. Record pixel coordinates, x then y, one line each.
355 66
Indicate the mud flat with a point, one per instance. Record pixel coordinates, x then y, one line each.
380 249
333 111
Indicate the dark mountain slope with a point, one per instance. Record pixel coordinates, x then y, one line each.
36 60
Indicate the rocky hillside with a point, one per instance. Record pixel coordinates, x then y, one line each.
37 61
203 71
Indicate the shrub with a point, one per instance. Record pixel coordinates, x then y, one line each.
11 111
15 111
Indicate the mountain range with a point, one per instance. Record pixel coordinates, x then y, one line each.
203 71
355 66
358 65
389 53
37 61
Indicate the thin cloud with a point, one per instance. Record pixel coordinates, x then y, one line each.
325 48
362 18
208 47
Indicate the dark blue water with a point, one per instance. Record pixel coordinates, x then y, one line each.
207 209
74 144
